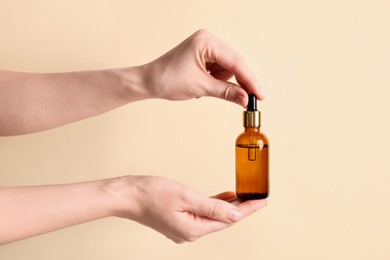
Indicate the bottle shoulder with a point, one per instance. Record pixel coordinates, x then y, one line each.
250 137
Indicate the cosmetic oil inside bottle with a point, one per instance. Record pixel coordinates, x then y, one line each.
252 160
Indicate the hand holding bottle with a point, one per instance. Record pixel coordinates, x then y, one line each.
200 66
178 212
159 203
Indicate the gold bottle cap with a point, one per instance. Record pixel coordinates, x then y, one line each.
252 119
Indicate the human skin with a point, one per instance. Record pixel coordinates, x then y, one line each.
199 66
168 207
30 102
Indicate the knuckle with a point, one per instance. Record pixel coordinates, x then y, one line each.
185 235
202 33
202 36
216 211
187 195
178 241
191 236
225 94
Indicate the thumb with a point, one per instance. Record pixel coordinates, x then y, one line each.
228 91
216 209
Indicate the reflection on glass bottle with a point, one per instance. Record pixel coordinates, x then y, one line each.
252 156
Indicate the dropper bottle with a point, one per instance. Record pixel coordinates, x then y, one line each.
252 156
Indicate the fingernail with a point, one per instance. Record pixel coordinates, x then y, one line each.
235 215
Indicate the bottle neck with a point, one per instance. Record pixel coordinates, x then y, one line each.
252 129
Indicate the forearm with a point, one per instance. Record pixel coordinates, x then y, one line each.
199 66
30 211
31 102
162 204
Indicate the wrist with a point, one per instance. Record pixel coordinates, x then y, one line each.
120 193
134 82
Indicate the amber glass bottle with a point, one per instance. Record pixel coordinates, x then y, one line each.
252 156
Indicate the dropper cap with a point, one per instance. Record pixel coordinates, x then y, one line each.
252 103
252 117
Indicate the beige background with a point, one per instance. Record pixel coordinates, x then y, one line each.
324 66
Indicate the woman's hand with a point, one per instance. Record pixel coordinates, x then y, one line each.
162 204
178 212
200 66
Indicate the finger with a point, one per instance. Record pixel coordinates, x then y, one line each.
215 209
218 71
232 61
247 208
228 91
226 196
250 206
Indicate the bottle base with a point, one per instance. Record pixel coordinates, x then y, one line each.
252 196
